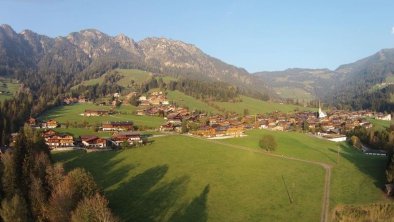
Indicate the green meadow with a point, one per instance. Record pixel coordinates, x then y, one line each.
129 75
8 88
356 178
72 114
258 106
178 178
192 103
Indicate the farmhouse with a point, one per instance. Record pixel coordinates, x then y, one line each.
130 137
95 112
117 126
93 142
54 139
61 140
50 124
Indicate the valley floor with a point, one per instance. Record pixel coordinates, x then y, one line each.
179 178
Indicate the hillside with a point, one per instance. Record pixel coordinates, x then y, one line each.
255 106
88 54
364 84
301 84
128 77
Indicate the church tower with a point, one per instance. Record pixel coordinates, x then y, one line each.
321 113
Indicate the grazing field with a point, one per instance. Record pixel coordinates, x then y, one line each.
188 101
178 178
129 75
8 88
71 114
357 178
258 106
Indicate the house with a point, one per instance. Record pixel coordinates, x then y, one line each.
54 139
130 137
174 117
61 140
95 112
384 117
93 142
32 122
117 126
205 131
48 133
50 124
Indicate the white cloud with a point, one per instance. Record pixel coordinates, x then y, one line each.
392 30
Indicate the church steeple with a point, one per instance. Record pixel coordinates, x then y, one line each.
321 113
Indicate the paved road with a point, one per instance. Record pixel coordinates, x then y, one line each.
326 167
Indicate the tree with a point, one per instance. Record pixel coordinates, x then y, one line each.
246 112
356 142
268 143
94 208
14 210
77 185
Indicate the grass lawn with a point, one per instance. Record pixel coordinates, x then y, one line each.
178 178
188 101
258 106
8 88
71 113
357 178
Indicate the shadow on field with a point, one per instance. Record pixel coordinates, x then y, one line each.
106 173
145 198
195 211
372 166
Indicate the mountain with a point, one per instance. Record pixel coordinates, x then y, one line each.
66 61
301 84
364 84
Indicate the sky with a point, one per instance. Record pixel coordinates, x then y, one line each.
255 35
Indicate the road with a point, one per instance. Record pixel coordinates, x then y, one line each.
327 167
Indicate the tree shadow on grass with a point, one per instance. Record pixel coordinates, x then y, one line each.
102 165
195 211
372 166
145 198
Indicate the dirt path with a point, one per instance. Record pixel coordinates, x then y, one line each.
326 167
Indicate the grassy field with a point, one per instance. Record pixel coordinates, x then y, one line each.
294 93
8 88
129 75
257 106
76 132
185 179
380 124
71 114
357 178
190 102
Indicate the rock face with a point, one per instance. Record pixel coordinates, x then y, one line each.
91 51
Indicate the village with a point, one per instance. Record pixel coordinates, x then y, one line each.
332 125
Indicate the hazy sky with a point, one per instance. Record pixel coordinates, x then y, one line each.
256 35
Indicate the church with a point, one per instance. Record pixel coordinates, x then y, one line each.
321 114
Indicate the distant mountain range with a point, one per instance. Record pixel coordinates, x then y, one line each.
364 84
40 61
89 53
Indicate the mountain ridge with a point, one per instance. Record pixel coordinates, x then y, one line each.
85 54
